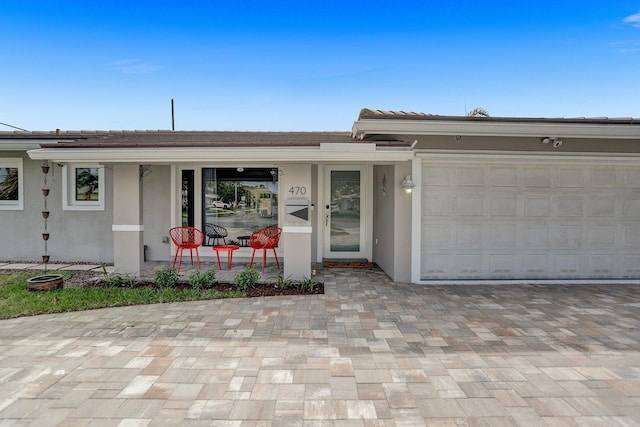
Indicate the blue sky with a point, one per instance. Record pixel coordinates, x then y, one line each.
311 65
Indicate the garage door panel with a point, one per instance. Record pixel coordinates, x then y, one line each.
571 178
537 177
568 236
535 265
603 178
504 177
530 221
631 265
567 265
570 206
537 206
536 235
470 176
632 179
601 264
503 235
470 236
602 206
504 265
603 236
504 205
631 208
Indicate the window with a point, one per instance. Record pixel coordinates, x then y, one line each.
240 200
83 187
11 184
188 190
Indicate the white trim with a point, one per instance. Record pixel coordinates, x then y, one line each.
126 227
445 156
69 203
363 127
14 205
19 146
218 155
416 221
292 229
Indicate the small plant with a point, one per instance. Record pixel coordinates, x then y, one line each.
115 280
281 283
307 284
202 280
166 277
246 279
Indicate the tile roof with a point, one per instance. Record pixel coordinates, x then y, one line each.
167 138
367 113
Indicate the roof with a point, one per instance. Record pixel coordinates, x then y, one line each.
367 113
167 138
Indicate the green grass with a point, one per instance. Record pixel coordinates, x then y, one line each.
17 301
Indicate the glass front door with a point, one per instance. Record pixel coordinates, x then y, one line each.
344 235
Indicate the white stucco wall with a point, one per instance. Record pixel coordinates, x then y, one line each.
157 211
74 235
392 221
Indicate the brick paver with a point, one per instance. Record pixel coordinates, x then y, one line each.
369 352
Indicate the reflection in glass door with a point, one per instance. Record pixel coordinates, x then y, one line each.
344 236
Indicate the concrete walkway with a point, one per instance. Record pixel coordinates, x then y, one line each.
369 352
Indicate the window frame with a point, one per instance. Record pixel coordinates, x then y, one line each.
69 188
14 163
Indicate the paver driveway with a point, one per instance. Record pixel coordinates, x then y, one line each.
368 352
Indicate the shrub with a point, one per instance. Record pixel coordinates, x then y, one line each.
166 277
202 280
281 283
307 284
246 279
115 280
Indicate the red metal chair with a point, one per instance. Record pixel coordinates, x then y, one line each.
186 238
266 238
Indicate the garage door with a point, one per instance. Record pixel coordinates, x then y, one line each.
502 220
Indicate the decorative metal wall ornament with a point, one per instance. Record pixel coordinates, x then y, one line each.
45 282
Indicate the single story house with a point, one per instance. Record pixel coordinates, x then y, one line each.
430 199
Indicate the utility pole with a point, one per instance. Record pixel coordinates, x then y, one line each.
173 122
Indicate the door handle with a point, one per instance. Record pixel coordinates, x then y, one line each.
326 215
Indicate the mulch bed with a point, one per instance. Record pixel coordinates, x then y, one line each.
260 290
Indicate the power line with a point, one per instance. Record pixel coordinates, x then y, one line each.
15 127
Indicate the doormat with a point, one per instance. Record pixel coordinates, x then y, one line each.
349 264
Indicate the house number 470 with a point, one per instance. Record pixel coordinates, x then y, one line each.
297 190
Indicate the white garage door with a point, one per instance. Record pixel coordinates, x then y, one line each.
503 220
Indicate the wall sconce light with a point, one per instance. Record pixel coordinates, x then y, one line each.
556 142
407 184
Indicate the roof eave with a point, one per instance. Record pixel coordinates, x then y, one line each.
219 155
364 128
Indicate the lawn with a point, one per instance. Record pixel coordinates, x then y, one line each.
17 301
114 290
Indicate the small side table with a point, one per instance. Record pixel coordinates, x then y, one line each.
229 250
244 241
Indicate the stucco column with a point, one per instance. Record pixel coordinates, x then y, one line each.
128 246
296 231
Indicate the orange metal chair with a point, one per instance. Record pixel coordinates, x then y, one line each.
186 238
266 238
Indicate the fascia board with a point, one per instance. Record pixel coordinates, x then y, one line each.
221 155
21 145
362 128
441 156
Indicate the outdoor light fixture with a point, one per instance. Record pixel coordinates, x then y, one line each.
407 184
556 142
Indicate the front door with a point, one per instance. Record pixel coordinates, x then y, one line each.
344 235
